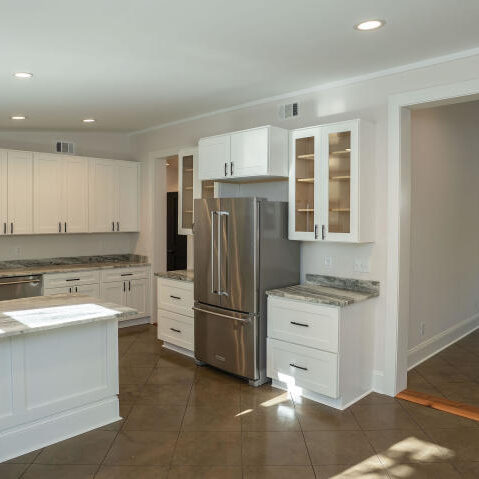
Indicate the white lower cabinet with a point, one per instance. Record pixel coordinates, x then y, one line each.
92 290
319 351
175 315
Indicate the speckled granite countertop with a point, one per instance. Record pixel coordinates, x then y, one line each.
329 290
68 264
40 313
187 275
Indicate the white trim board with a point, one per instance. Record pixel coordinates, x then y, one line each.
399 199
443 340
324 86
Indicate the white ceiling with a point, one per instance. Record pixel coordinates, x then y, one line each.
132 64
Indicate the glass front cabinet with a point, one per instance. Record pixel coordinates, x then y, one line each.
331 183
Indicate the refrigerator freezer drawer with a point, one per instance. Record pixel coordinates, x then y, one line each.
226 340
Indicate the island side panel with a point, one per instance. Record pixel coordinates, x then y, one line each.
63 382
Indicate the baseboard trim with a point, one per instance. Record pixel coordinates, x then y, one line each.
47 431
178 349
133 322
437 343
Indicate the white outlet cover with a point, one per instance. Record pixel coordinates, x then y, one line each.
328 261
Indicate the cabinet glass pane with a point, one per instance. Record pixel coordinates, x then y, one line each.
187 193
207 189
339 200
304 178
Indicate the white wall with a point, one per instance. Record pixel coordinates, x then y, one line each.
366 99
444 278
88 143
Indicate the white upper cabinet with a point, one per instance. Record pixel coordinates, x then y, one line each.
114 190
16 182
259 152
75 195
331 194
128 195
214 157
188 185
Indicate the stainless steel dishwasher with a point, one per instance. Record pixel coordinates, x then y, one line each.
14 287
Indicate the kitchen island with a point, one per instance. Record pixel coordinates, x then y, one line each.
58 369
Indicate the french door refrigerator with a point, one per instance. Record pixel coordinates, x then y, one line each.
241 250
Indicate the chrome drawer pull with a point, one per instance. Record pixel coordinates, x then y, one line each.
299 324
298 367
175 330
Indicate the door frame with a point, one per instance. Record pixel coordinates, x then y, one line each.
399 219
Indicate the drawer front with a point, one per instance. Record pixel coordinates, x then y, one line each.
49 291
305 324
176 329
59 280
120 274
304 367
176 296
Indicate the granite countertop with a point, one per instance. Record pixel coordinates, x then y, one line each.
69 264
187 275
40 313
329 290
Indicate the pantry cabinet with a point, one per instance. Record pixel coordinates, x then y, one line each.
16 182
113 196
187 179
60 194
255 153
331 183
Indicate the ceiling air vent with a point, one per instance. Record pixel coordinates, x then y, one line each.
290 110
65 147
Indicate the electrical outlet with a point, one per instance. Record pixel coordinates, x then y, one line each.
422 328
362 265
328 261
17 251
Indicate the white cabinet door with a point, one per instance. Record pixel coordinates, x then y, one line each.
20 188
3 193
304 185
214 158
136 297
103 201
249 153
92 290
128 191
114 292
186 186
47 193
75 194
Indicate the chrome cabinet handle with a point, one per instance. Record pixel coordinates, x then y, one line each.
174 297
59 226
299 324
175 330
298 367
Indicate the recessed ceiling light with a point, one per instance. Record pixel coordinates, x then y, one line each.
23 75
18 117
370 25
89 120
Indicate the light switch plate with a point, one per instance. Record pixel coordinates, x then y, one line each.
328 261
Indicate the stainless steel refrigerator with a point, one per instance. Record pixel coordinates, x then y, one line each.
241 250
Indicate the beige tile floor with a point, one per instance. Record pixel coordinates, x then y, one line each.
181 421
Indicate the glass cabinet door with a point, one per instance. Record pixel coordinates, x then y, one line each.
304 185
207 189
186 172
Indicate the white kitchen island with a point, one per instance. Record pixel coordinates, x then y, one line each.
58 369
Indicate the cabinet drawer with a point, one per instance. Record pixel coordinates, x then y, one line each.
305 324
59 280
304 367
176 329
175 296
120 274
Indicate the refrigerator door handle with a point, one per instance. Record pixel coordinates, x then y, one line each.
213 291
246 320
221 292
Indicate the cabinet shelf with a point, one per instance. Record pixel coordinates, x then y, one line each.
208 187
188 170
346 151
340 210
188 188
305 180
309 156
190 212
340 178
305 210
